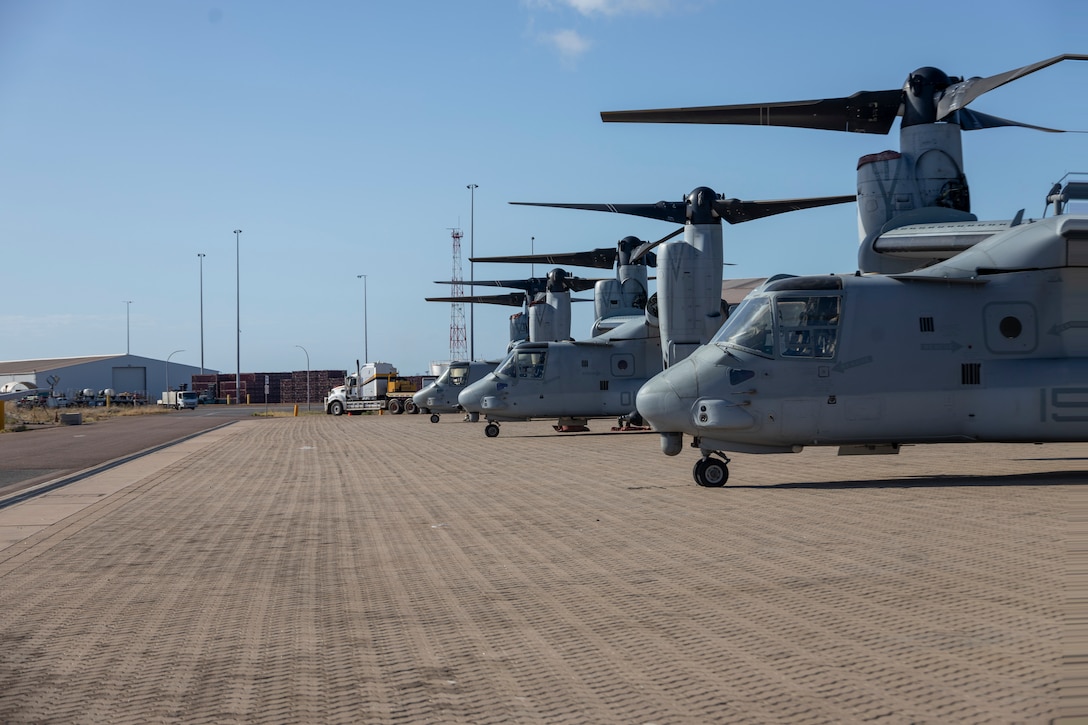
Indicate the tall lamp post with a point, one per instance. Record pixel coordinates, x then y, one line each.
366 355
472 270
238 326
201 255
175 352
300 347
128 326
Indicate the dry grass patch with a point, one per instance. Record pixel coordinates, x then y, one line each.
20 419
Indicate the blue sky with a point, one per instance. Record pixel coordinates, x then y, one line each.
340 137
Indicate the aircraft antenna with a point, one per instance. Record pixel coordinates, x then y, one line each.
458 332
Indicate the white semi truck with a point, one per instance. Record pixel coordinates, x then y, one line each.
373 386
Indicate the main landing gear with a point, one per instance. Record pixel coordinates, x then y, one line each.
711 472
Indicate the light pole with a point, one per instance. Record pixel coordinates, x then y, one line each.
238 326
472 270
128 327
201 255
300 347
175 352
366 355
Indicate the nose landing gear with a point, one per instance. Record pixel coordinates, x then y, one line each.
711 472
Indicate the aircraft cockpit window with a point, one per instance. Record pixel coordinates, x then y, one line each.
508 368
530 364
808 327
523 364
749 326
457 376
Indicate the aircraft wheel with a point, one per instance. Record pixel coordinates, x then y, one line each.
491 430
711 472
336 407
434 417
394 407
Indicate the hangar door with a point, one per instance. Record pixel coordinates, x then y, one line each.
130 380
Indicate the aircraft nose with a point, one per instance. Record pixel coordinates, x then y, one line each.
471 398
425 398
661 403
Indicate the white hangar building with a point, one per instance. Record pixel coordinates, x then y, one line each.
132 374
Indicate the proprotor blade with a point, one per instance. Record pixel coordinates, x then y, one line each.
645 248
735 211
514 299
603 258
531 285
958 95
863 112
667 211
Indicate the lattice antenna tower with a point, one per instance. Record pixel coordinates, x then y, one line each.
458 332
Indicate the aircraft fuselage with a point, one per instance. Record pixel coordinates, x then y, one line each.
880 360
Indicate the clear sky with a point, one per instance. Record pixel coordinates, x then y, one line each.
340 137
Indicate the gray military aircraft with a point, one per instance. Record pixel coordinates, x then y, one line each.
975 289
576 381
689 280
990 345
923 182
614 300
571 380
545 304
441 395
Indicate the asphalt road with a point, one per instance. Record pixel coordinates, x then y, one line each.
33 456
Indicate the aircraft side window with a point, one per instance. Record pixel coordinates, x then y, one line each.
808 326
458 376
530 365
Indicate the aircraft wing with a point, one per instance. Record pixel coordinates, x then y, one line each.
936 241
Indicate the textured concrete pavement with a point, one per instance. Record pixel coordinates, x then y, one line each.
388 570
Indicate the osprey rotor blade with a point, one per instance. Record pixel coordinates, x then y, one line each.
733 211
958 95
644 249
514 299
667 211
863 112
602 258
531 285
736 211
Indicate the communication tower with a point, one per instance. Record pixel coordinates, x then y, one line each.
458 333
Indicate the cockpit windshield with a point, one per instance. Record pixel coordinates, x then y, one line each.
793 326
455 376
523 364
749 326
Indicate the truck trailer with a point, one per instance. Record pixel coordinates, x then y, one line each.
374 386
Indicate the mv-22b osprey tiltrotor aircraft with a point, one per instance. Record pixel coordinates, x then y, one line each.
923 182
599 377
614 300
976 331
441 395
546 314
545 303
